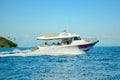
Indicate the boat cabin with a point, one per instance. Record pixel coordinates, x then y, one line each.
63 38
69 40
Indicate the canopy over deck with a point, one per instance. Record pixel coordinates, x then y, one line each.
54 36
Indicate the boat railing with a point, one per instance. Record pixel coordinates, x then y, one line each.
89 39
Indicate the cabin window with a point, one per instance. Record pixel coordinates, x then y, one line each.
67 41
77 38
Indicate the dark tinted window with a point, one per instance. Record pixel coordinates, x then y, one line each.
77 38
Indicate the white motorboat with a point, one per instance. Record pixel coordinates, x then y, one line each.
67 41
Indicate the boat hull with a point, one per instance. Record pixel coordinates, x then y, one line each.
86 47
75 49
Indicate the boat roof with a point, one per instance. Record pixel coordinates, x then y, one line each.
62 35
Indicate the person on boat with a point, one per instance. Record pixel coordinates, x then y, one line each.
58 43
46 43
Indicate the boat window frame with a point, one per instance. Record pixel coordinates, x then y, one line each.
77 38
66 40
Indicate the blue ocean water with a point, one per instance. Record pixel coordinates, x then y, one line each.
100 63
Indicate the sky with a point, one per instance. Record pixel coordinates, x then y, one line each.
27 19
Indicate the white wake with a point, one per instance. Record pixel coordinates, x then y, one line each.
39 52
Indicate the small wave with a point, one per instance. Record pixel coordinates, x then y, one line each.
15 52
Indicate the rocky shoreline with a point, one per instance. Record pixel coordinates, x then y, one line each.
5 43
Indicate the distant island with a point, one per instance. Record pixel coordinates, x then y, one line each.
6 43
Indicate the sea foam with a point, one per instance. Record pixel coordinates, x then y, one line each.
39 52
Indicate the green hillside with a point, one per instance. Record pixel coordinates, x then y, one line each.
5 43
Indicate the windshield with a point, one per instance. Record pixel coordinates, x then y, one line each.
76 38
